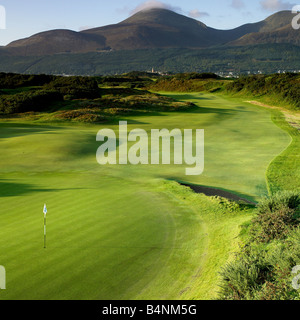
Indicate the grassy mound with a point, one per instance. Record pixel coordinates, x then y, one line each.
79 99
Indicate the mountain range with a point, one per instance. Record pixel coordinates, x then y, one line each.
156 28
159 39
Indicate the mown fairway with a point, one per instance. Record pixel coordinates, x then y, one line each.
123 232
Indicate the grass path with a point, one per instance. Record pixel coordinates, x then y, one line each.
284 171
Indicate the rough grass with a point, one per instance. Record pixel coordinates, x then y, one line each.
284 172
115 102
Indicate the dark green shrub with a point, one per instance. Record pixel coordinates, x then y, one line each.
75 87
262 273
284 86
245 275
195 76
12 80
290 199
28 101
81 115
262 269
275 224
277 215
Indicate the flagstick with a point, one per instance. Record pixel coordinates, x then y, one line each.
45 212
45 231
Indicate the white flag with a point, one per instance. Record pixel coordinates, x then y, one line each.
45 209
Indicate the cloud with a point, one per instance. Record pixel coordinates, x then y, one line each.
276 5
197 14
82 28
237 4
150 4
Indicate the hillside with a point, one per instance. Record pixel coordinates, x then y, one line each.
56 41
268 58
155 28
159 39
282 35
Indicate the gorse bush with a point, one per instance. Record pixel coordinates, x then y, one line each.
81 115
245 276
195 75
274 225
284 86
191 85
80 94
28 101
12 80
277 215
51 89
262 269
75 87
290 199
258 273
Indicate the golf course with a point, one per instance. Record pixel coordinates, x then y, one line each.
131 231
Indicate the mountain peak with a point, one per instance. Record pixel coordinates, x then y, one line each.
276 28
161 16
277 20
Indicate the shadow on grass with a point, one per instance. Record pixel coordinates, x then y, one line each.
11 130
8 129
219 192
13 189
192 110
184 97
206 110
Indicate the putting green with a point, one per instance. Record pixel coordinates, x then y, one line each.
122 232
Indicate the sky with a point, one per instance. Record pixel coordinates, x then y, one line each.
23 18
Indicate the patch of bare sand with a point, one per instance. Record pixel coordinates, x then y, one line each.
293 118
